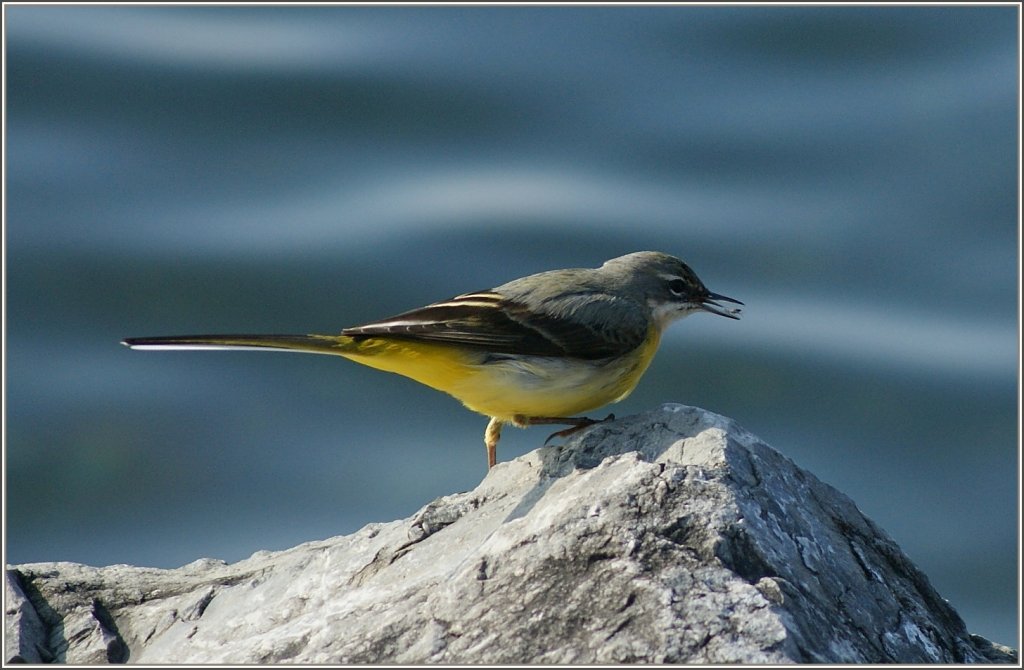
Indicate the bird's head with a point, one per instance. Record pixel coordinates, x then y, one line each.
668 286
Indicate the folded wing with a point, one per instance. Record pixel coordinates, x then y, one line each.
583 326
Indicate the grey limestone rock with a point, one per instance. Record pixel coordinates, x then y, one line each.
672 536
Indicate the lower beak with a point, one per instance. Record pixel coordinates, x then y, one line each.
709 304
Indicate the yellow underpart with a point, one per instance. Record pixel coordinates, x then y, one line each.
501 387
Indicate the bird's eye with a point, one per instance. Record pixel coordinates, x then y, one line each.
677 286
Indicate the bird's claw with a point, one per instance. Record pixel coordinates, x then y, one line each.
584 422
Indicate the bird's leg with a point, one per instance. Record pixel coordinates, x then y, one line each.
575 423
491 436
493 431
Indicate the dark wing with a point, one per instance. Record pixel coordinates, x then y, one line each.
584 326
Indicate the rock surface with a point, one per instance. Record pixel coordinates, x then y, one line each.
672 536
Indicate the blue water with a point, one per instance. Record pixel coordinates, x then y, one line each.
850 173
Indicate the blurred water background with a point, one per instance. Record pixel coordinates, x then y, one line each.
850 173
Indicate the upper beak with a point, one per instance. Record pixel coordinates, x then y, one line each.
709 304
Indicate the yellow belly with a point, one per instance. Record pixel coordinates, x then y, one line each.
504 388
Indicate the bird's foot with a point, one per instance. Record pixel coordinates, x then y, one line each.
576 423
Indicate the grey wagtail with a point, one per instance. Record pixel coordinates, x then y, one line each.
533 351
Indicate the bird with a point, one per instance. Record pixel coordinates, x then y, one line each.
536 350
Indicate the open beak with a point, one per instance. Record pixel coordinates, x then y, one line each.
709 304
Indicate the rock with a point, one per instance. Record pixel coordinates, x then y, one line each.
673 536
24 634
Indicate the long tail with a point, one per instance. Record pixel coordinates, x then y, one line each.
337 345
